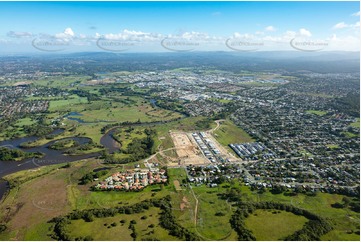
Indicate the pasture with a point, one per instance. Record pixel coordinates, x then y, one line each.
117 228
274 225
229 133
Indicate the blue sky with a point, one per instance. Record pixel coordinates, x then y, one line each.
207 24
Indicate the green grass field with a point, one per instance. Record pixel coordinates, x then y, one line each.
343 219
333 146
101 229
317 112
92 131
24 121
114 111
127 137
15 130
209 225
258 84
356 124
221 100
60 82
267 225
229 133
67 104
12 132
350 135
109 110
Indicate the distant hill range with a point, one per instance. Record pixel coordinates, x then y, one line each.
283 61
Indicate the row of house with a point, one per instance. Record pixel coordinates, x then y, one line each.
250 149
133 180
206 145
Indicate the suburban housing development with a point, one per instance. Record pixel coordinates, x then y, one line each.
134 180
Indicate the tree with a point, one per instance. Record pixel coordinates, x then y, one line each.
346 201
88 217
2 227
88 238
134 235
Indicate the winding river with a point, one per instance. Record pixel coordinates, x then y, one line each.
51 156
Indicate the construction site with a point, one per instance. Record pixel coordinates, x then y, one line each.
187 150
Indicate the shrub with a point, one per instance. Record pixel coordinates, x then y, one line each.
2 227
220 214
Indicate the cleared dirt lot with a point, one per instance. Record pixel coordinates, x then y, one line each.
187 150
177 185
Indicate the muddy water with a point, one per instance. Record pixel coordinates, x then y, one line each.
51 157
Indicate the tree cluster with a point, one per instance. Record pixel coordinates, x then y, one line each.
79 149
167 220
312 230
62 144
37 130
137 149
7 154
91 176
88 95
2 227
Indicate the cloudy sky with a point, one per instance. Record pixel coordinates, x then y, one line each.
178 26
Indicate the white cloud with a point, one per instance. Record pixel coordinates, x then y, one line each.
67 34
69 31
14 34
243 36
237 35
356 14
131 35
340 25
305 33
82 36
270 28
289 34
356 25
343 25
349 40
345 43
193 35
